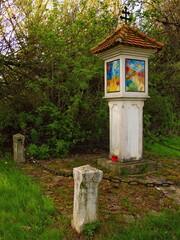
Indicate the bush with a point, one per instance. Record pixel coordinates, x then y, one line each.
41 152
159 118
91 228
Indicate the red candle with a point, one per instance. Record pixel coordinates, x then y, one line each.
114 158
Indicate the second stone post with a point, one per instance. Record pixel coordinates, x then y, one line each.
86 182
18 148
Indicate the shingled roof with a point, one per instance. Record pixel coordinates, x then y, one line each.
127 35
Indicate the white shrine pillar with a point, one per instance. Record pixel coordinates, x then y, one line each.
126 129
125 54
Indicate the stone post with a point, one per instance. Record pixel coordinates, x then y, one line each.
18 148
86 182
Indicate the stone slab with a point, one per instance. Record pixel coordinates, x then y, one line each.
129 168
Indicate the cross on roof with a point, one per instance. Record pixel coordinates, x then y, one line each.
126 13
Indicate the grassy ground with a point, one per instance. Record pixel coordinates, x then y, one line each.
25 213
152 227
125 212
162 149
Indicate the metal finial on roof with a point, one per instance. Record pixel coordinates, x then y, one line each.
126 13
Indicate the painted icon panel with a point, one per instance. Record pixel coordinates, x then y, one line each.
135 75
113 76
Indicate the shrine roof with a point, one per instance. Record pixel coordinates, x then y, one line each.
127 35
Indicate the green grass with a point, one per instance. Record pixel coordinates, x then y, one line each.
25 213
163 227
163 150
173 141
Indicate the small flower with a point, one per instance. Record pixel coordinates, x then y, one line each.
6 162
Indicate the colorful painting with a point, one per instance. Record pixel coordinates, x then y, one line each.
113 76
135 75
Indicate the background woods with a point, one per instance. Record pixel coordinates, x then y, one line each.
51 87
160 19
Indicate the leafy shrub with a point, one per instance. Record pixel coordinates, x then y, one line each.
158 115
91 228
53 132
42 152
62 148
34 136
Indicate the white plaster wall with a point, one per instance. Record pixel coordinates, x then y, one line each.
115 120
126 131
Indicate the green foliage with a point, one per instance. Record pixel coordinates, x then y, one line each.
159 118
25 119
53 133
2 140
161 110
91 228
41 152
34 136
56 85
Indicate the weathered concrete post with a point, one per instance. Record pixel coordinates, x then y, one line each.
18 148
86 182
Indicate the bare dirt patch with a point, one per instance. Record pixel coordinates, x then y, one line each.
117 202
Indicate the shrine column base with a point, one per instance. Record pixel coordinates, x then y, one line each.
126 129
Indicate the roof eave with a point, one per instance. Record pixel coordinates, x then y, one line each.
94 51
